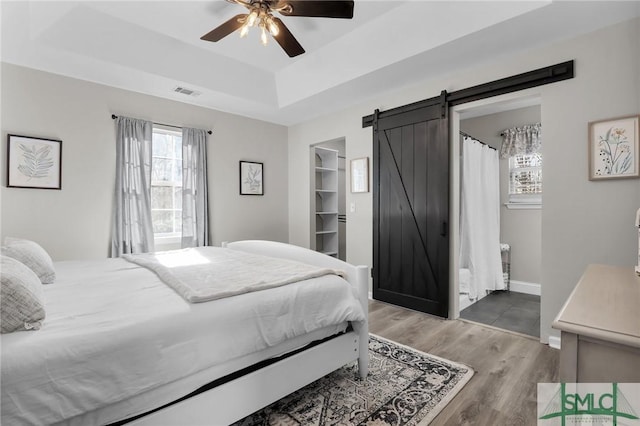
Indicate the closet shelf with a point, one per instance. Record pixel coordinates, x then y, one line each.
325 201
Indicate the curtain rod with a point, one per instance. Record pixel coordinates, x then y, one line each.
483 143
113 116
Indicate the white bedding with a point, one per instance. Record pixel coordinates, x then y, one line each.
114 330
202 274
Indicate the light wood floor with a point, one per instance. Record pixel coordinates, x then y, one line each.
507 366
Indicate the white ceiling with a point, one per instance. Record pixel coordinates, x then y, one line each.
154 46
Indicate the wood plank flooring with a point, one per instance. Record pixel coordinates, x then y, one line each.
507 366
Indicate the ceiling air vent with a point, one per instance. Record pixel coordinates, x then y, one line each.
185 91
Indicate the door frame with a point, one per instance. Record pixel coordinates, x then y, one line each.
498 103
505 89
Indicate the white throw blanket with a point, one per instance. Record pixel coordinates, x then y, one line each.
201 274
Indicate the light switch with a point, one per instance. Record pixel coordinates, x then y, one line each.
353 207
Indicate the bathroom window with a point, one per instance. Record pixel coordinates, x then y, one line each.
525 181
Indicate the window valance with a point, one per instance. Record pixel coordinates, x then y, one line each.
521 140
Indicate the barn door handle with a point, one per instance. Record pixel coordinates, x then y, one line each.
443 232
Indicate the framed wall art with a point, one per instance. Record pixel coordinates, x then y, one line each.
360 175
614 148
251 178
34 162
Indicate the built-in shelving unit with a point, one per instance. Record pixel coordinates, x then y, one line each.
325 200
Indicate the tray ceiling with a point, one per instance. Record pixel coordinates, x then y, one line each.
154 46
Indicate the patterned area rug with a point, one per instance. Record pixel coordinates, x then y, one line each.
404 387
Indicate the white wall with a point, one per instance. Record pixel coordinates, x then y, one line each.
75 223
521 229
582 221
357 144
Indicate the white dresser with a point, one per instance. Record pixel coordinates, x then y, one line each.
600 325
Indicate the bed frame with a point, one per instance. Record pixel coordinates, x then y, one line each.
237 398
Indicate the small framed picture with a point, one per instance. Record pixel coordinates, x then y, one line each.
34 162
614 148
360 175
251 178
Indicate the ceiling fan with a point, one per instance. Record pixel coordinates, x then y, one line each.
261 16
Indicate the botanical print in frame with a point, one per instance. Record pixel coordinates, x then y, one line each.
251 178
34 162
614 148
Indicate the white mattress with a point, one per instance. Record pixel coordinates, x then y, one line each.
113 331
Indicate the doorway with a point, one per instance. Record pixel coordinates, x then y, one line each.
517 307
517 89
328 198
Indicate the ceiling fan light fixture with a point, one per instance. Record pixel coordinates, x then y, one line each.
260 14
263 37
245 30
273 27
251 19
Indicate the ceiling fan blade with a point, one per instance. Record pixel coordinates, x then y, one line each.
286 40
225 29
318 8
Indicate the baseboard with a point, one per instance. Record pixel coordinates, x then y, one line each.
525 287
554 342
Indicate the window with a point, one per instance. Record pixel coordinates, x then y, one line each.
525 179
166 183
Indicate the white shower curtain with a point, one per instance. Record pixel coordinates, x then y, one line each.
480 218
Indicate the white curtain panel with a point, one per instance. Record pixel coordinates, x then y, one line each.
195 215
132 228
480 218
521 140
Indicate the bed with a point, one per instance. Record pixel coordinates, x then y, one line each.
120 346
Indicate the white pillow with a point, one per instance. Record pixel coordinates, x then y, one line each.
32 255
21 297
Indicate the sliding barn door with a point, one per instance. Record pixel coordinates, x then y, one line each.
411 206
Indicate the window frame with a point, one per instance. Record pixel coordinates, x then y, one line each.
530 200
164 238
